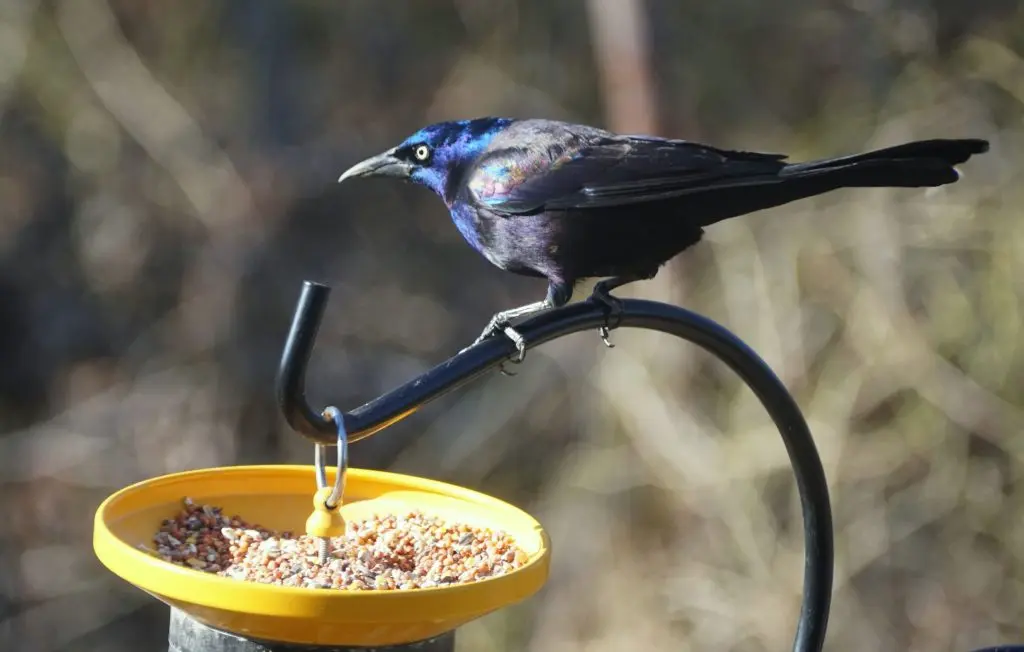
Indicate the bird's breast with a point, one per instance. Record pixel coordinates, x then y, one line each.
517 244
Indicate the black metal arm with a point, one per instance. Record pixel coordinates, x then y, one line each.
399 403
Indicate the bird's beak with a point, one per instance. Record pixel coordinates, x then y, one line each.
382 165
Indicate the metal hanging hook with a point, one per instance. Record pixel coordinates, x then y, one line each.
387 409
320 453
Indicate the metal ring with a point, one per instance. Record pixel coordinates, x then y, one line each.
333 414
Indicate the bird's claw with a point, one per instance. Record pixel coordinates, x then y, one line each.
504 371
511 334
519 341
520 355
613 310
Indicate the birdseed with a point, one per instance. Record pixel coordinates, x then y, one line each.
384 552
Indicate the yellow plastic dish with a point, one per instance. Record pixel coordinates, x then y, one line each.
280 497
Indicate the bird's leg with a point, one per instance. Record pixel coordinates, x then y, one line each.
602 293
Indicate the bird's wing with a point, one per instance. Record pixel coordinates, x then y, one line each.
569 171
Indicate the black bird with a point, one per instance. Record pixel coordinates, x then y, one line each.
566 202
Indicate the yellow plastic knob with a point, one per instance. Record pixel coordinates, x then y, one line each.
325 522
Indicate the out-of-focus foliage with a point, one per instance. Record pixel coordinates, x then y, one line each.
167 181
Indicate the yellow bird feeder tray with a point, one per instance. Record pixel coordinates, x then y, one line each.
278 497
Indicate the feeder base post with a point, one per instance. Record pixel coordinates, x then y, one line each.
189 635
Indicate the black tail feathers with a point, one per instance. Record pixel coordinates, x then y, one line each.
923 163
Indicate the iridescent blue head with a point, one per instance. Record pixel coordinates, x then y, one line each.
431 155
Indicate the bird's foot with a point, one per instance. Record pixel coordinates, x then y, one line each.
498 323
503 322
613 312
520 343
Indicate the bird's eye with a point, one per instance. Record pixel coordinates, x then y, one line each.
422 153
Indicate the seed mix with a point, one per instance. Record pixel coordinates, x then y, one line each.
403 551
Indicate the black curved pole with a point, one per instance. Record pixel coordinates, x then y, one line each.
399 403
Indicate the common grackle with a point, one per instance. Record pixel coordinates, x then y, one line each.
567 202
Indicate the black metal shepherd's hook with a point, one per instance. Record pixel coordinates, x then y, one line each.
399 403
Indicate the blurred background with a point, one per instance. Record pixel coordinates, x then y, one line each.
167 181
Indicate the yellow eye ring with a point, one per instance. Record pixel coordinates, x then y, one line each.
422 153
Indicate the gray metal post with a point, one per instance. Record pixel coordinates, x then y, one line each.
189 635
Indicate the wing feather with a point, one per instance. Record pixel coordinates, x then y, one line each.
567 170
